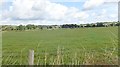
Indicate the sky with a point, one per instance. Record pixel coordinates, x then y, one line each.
57 12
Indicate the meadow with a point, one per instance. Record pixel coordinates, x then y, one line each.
61 46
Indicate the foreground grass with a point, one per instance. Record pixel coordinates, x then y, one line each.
62 46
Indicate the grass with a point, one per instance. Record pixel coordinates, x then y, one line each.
62 46
0 48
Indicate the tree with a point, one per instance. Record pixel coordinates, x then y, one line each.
8 28
88 25
50 27
21 27
100 24
117 24
29 27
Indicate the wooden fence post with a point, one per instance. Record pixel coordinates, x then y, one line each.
31 57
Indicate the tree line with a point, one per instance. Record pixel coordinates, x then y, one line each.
41 27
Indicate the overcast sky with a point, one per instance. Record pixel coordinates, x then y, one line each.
50 12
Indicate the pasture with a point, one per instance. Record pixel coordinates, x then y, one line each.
61 46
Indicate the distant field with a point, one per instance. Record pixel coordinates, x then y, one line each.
62 46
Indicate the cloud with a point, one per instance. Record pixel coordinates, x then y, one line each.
42 10
89 4
49 12
80 15
0 17
38 9
113 15
103 16
112 0
56 11
1 1
81 0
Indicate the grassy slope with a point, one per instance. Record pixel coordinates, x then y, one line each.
71 41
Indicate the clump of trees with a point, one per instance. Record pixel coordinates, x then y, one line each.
41 27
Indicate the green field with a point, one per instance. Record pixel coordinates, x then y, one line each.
0 48
62 46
